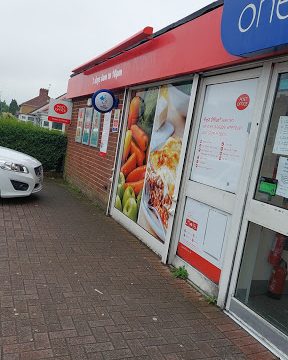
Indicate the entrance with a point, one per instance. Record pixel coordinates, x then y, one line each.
259 286
215 180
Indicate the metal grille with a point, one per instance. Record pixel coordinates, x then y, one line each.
38 171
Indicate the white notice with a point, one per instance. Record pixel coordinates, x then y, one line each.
281 139
105 134
223 134
194 224
282 177
203 230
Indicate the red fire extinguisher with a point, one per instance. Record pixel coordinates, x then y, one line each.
275 254
277 280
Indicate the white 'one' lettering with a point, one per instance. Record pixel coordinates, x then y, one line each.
280 16
254 11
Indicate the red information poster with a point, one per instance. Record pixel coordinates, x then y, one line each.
223 134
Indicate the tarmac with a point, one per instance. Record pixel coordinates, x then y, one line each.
77 285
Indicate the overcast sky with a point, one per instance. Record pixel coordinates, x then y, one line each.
43 40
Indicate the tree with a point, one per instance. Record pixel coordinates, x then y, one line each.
13 107
3 107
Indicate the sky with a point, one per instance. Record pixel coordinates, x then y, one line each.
43 40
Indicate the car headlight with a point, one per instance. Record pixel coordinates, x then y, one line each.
14 167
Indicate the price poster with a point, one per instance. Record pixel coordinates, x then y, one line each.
116 120
87 126
223 134
95 129
80 122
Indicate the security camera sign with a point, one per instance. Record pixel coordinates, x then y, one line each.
60 111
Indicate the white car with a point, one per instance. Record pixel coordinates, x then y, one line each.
20 174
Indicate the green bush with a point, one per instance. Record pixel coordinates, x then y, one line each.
49 147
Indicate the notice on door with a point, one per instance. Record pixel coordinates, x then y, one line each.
202 237
223 134
282 177
281 139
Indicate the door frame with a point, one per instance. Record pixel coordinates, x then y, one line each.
268 216
230 203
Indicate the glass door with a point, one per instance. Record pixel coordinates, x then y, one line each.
259 287
215 181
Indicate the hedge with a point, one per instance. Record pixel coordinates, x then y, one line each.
47 146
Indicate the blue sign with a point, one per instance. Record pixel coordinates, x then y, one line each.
104 101
254 26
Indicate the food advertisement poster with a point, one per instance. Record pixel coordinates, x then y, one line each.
223 134
95 128
80 121
151 154
105 134
87 126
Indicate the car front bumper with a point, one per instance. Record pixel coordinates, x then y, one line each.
15 184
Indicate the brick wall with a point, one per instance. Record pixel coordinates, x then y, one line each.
84 167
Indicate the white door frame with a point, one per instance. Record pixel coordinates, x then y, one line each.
230 203
270 217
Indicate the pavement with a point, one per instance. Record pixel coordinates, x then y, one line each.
76 285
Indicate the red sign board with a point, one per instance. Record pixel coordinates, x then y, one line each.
172 54
60 111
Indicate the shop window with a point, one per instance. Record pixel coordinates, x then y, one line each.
272 186
151 154
262 284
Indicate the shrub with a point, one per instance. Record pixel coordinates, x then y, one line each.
47 146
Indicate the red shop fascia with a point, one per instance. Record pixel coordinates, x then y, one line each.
191 45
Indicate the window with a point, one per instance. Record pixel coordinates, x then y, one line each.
56 126
272 187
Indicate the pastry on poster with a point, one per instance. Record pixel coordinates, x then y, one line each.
135 152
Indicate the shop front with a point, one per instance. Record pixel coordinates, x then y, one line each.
195 157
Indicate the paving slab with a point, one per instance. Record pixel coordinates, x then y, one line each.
76 285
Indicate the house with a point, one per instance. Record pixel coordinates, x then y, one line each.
35 103
40 117
36 111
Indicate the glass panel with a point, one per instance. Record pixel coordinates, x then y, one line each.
151 154
224 130
262 284
272 187
56 126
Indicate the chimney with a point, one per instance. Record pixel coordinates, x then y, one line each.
43 93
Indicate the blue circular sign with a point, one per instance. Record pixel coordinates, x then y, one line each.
103 100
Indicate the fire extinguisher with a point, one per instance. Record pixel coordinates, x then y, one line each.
277 280
275 254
